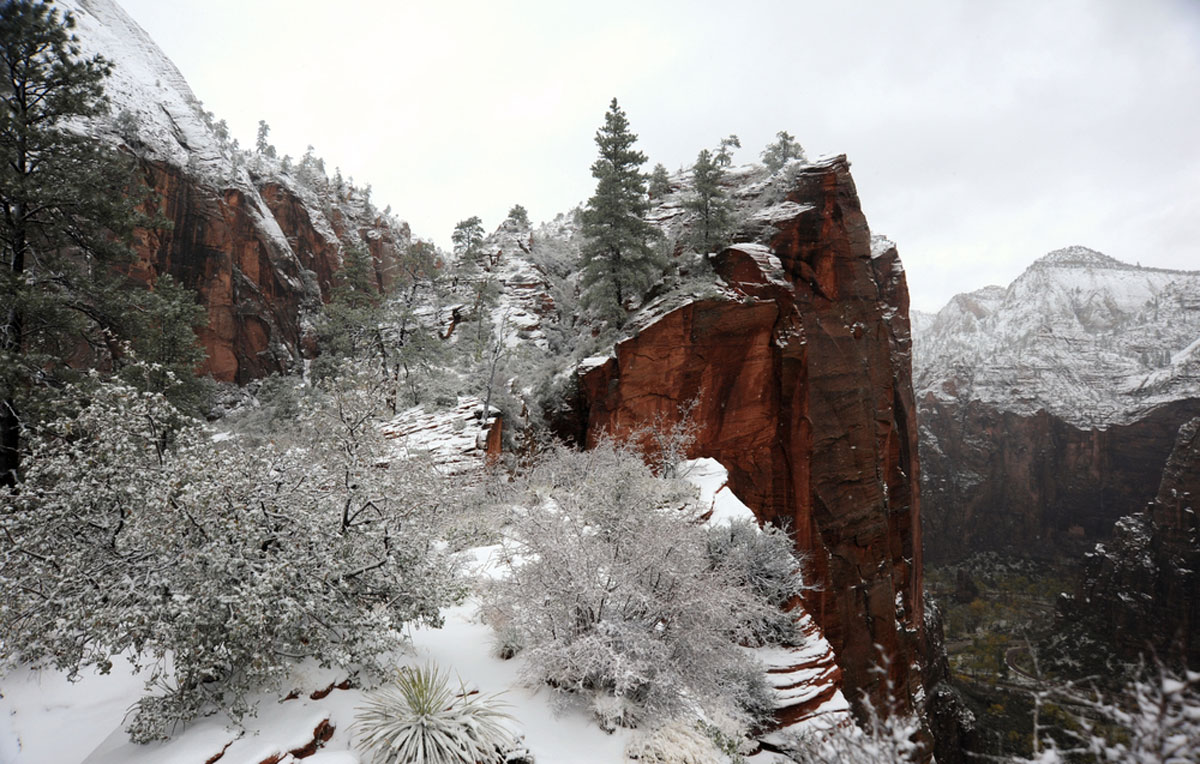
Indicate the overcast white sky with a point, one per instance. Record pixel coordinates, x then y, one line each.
982 134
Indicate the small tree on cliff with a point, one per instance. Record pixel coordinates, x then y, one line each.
783 150
67 209
710 203
618 262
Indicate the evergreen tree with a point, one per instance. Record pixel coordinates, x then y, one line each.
468 237
519 215
782 151
618 262
724 156
660 182
710 203
261 144
68 211
351 318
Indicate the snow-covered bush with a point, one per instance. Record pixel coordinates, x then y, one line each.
763 560
881 739
216 562
613 592
1156 720
677 742
422 720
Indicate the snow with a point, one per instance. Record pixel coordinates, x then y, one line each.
713 481
145 84
38 708
453 439
1088 338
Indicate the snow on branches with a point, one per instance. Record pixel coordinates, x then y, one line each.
217 562
615 591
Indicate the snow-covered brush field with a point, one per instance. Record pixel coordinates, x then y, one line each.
47 719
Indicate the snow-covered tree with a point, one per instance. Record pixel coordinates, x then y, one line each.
660 182
67 213
1155 720
468 237
710 203
619 264
783 150
724 154
519 215
218 563
613 593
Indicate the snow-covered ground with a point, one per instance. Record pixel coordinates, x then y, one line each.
45 719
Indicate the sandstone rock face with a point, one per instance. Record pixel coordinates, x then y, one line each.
258 244
261 263
800 374
1032 483
1141 590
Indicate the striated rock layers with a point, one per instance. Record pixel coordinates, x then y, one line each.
259 262
800 376
1003 481
1141 590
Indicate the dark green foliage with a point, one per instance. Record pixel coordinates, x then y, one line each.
714 213
782 151
660 182
519 215
261 144
68 207
468 237
724 156
351 318
619 264
164 333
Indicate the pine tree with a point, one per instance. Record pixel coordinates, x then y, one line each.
660 182
468 237
519 215
710 203
261 144
68 208
782 151
724 156
618 261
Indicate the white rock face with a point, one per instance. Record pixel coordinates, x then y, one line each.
1088 338
146 90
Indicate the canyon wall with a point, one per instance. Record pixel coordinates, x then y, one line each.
799 381
1004 481
261 260
1140 591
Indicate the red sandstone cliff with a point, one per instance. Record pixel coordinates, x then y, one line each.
260 258
801 370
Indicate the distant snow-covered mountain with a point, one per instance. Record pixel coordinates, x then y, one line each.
1088 338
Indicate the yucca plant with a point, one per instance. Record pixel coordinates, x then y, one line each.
421 720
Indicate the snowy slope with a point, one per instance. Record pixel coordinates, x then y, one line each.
36 708
1086 337
170 124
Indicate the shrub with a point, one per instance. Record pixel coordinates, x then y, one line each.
614 594
421 720
217 563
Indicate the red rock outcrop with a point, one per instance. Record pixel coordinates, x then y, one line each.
1001 481
258 261
802 381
